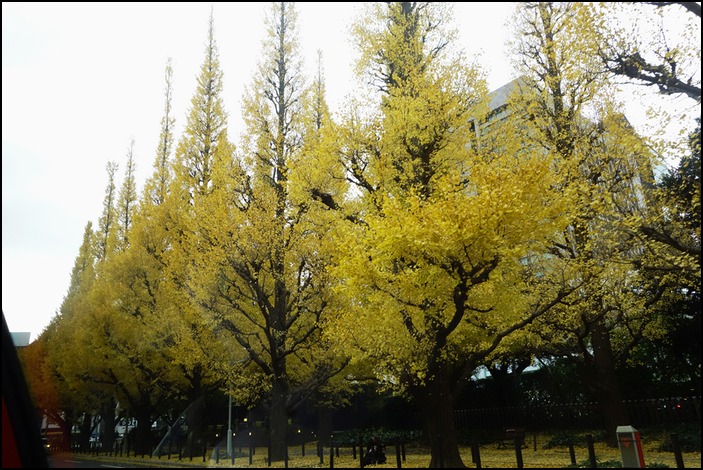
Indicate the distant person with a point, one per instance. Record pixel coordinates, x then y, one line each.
374 453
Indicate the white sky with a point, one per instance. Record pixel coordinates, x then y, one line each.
80 80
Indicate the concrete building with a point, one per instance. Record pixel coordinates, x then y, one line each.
20 338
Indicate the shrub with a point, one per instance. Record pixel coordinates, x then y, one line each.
689 438
563 439
599 464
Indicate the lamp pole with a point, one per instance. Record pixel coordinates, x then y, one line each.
229 425
229 410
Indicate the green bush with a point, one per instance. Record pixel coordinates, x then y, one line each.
599 464
689 438
563 439
611 464
387 436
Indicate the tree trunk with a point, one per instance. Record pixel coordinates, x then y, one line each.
142 437
607 387
438 414
85 431
108 415
324 425
66 433
194 415
278 421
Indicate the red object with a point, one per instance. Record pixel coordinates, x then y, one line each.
21 440
10 453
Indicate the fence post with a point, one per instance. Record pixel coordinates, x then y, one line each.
331 454
534 442
361 453
591 451
517 441
251 448
475 453
572 454
676 444
397 454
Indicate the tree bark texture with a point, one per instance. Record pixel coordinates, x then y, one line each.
438 414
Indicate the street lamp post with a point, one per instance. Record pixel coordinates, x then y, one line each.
229 410
229 426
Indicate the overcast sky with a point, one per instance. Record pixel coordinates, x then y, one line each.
80 80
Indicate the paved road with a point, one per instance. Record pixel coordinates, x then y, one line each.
81 461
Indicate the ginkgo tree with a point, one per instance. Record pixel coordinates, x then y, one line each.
143 301
69 404
667 59
112 355
665 54
437 230
182 188
604 171
261 279
87 345
124 305
78 320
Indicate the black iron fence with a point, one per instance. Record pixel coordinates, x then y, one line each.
579 416
642 413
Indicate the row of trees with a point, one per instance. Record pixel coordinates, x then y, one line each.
418 235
